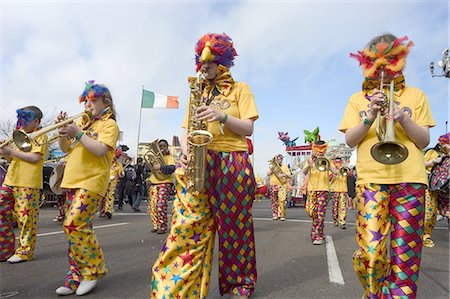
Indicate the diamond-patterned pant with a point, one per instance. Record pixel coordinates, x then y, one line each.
183 267
86 260
24 203
382 210
339 207
277 195
316 209
107 202
157 205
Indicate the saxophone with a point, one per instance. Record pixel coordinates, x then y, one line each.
276 170
197 139
154 156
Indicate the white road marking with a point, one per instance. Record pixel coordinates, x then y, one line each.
95 227
334 271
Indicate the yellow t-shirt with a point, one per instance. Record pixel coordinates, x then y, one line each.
317 180
27 174
414 102
84 170
169 161
430 155
339 184
240 104
275 181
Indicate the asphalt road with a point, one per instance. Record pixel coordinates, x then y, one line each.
289 266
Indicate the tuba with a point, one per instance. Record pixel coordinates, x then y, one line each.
197 139
154 156
24 141
387 150
276 170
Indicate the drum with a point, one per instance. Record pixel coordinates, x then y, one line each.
53 173
439 176
261 190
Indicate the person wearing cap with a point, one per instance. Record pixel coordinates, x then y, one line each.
116 172
390 196
318 189
339 195
278 190
184 265
90 146
21 190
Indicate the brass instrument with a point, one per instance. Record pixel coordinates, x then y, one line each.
322 164
6 142
154 156
344 171
24 141
276 170
197 140
387 150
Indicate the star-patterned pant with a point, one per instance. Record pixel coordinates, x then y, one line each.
107 203
277 195
24 202
316 209
157 205
183 267
430 212
339 207
397 210
86 260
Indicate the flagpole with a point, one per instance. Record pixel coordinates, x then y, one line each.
139 127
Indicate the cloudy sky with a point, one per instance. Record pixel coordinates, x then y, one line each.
293 54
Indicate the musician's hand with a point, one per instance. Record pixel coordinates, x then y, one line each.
183 161
376 101
60 117
70 130
7 150
399 114
437 160
209 114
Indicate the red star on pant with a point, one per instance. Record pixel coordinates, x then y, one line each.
71 227
187 258
25 212
173 238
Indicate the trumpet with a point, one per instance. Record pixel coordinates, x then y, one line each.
387 150
24 141
344 171
322 164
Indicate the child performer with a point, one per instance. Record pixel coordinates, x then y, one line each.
21 190
278 189
339 195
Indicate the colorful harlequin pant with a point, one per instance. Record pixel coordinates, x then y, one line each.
396 210
107 203
339 207
24 203
316 209
183 267
86 260
157 205
277 195
442 198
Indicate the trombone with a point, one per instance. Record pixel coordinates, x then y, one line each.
387 150
24 141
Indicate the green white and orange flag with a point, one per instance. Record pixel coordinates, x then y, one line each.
154 100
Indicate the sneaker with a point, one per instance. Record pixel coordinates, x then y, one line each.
108 214
136 209
101 215
439 217
427 241
160 231
275 218
318 242
64 291
282 218
85 287
15 259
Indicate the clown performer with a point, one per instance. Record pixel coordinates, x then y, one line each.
339 194
184 265
390 196
278 187
21 190
90 145
318 190
160 188
437 199
116 172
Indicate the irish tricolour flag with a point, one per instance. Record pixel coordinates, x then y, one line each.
154 100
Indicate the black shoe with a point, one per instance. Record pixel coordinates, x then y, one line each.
108 214
153 230
137 210
160 231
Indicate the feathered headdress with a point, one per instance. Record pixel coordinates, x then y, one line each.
92 91
215 47
319 147
392 56
444 139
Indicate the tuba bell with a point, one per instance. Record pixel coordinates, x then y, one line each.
276 170
154 156
322 164
387 150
